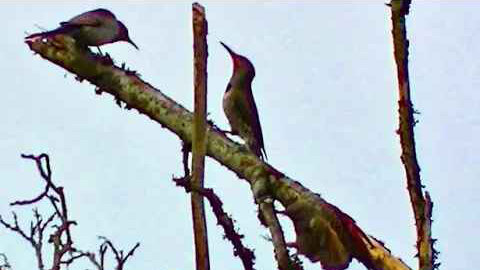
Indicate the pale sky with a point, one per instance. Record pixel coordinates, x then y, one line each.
326 93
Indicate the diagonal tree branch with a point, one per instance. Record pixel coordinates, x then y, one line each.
324 233
422 206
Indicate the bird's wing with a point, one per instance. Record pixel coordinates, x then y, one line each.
90 18
250 115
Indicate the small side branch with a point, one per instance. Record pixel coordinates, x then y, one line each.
421 203
99 262
4 264
269 217
119 255
61 247
245 254
64 253
223 219
46 176
34 236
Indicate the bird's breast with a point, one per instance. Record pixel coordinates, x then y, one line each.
228 99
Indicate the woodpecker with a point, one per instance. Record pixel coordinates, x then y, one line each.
239 105
92 28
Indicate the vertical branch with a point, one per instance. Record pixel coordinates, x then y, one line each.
199 146
421 205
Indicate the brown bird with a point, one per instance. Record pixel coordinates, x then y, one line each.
92 28
239 105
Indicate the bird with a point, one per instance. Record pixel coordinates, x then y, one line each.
239 105
92 28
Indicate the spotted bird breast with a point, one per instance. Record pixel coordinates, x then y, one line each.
229 108
235 108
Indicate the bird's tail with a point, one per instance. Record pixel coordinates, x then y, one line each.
41 35
258 149
48 34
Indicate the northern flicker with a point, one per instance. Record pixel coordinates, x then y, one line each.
239 105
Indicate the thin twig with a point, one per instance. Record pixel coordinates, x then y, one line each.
35 230
119 257
282 255
5 264
60 238
245 254
46 175
38 227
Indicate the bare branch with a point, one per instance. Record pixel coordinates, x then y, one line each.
4 265
15 227
38 226
99 265
245 254
119 257
421 206
199 145
45 175
75 257
60 238
273 224
35 230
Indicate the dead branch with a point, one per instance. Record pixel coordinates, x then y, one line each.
271 221
223 219
119 256
421 205
35 235
245 254
64 253
199 142
4 265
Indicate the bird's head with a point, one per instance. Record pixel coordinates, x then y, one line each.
241 64
123 34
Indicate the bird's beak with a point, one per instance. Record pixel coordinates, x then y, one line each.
133 43
230 51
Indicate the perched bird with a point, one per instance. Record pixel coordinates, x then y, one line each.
239 105
92 28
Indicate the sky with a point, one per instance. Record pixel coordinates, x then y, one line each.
326 93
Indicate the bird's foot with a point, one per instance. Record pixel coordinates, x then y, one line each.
292 245
229 132
99 51
105 59
226 132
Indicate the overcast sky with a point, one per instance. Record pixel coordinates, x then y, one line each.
326 93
